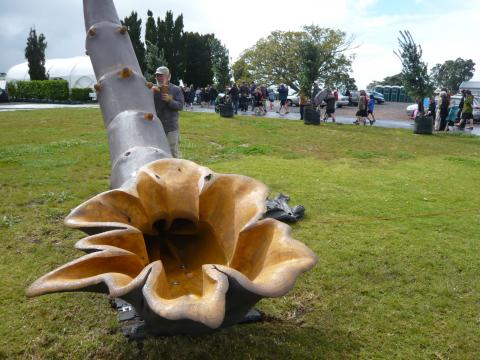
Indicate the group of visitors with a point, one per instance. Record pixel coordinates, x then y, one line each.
446 116
258 98
205 97
366 106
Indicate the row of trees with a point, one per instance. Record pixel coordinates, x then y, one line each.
278 58
195 58
448 75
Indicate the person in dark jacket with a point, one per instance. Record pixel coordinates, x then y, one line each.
460 106
282 96
213 94
244 92
444 111
330 108
234 93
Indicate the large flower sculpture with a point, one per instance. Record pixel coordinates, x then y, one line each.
185 246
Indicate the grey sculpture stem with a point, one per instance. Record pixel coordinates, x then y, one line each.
135 134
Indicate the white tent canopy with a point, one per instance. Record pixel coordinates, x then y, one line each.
78 71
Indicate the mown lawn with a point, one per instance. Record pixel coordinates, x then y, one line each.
393 217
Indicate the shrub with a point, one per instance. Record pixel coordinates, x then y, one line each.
81 94
42 89
12 89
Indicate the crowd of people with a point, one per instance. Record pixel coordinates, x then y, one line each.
446 117
259 98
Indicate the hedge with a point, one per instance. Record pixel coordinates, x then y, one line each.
12 89
42 89
81 94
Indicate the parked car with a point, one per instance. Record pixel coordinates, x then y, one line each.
410 110
379 98
342 100
293 99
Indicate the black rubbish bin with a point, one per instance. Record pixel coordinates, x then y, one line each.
311 116
226 110
423 125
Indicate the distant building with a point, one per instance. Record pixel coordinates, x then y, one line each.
78 71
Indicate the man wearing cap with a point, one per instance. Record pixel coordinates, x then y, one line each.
169 101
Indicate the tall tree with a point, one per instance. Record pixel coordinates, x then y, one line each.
416 80
35 55
452 73
347 82
153 59
220 62
197 59
275 59
394 80
169 40
241 71
310 59
151 32
134 25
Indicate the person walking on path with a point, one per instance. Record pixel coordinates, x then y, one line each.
302 102
467 112
168 99
258 102
460 106
283 95
235 97
271 98
445 103
362 108
442 97
370 108
330 108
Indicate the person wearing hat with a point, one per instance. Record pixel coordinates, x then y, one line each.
169 101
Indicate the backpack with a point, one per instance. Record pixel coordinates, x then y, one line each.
362 105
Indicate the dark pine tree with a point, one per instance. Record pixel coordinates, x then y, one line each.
151 33
169 40
35 55
197 59
134 25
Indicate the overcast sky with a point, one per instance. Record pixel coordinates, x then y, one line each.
446 29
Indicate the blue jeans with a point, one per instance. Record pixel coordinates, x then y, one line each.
235 106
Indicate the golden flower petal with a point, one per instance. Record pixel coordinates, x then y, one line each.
104 271
127 239
229 204
169 190
207 308
111 209
275 259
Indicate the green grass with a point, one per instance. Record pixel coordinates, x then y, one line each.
393 217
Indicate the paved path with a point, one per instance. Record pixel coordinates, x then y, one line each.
293 115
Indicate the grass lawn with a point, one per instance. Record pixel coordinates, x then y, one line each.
393 217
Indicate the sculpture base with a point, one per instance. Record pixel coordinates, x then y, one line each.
134 328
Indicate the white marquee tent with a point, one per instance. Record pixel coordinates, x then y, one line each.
78 71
